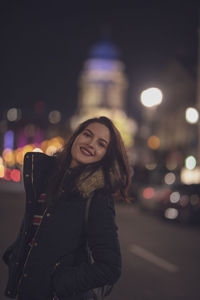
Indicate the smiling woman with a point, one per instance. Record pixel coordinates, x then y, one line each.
90 145
69 214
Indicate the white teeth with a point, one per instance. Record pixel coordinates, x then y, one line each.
85 151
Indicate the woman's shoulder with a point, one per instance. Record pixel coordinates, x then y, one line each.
38 156
101 215
103 198
36 165
38 159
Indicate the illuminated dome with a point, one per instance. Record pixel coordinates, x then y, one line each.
104 50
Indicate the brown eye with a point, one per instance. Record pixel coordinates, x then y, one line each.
102 145
86 133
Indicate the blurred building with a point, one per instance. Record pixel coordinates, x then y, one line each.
102 89
102 82
164 130
179 89
165 138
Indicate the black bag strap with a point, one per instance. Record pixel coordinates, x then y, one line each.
98 293
87 210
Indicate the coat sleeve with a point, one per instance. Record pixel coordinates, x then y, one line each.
104 245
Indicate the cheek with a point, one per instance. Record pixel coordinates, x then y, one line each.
101 153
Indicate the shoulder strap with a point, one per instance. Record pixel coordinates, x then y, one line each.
87 209
101 292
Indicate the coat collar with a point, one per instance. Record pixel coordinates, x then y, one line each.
87 184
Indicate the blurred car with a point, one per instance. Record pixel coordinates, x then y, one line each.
150 197
181 203
178 202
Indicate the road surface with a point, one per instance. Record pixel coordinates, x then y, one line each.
161 260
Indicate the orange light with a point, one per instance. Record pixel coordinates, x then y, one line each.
27 148
51 150
44 145
15 175
153 142
19 155
2 171
9 157
20 152
52 145
148 193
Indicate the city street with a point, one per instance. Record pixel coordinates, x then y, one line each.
97 96
160 260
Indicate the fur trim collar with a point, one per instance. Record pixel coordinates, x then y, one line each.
87 183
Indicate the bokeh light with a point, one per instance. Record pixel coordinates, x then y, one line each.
9 156
52 145
7 174
150 166
170 178
151 97
29 130
190 176
174 197
2 169
27 148
54 117
9 139
171 213
37 150
14 114
51 150
190 162
44 145
148 193
15 175
19 156
153 142
191 115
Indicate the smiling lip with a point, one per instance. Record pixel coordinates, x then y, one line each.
85 151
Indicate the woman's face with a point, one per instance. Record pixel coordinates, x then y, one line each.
90 145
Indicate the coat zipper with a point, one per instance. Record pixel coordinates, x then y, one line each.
36 233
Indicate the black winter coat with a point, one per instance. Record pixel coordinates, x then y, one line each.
57 263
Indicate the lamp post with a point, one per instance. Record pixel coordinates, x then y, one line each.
150 99
192 117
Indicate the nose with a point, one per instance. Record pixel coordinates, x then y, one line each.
91 144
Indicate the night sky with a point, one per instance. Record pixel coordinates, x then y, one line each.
45 43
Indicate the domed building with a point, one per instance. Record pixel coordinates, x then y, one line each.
102 89
102 81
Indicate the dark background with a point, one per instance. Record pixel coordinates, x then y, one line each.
44 45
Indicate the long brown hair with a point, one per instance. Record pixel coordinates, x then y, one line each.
115 160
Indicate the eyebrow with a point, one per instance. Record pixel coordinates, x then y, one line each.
103 140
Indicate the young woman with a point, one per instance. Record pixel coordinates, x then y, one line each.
68 243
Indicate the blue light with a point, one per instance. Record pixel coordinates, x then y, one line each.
100 64
105 50
9 139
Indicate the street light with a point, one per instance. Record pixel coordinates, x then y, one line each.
190 162
191 115
151 97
